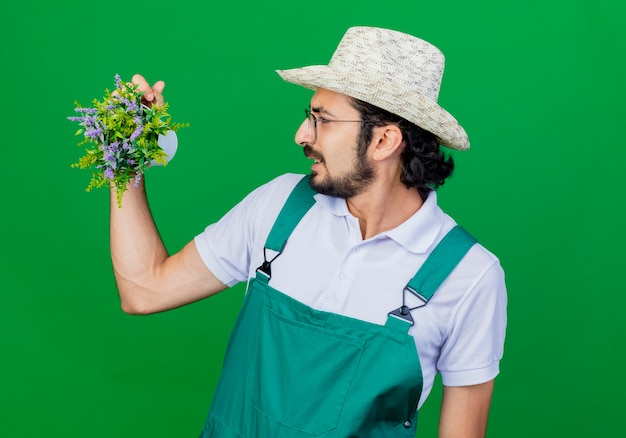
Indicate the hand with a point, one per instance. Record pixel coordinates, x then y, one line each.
152 94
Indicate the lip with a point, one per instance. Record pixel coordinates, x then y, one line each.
315 156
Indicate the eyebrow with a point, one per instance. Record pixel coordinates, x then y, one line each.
321 110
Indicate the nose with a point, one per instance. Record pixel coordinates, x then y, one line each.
304 135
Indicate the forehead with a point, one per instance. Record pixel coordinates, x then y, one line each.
332 102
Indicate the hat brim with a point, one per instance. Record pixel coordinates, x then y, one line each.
405 103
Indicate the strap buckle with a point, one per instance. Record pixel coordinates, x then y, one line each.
266 266
403 312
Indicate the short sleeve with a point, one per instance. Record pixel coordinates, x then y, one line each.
229 246
474 346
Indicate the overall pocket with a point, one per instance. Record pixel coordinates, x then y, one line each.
301 373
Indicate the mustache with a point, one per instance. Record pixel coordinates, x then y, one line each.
312 154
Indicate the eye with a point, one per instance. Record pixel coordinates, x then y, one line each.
323 120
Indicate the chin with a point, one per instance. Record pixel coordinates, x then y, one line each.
314 181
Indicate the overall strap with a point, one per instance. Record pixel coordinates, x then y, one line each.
297 205
441 262
437 267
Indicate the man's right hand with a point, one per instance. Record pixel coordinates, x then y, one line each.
152 94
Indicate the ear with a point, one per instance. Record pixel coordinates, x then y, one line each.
387 141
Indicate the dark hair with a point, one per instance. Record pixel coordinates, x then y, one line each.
424 165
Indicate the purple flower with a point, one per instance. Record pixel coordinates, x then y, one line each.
137 179
110 155
111 161
89 121
86 110
130 105
118 82
94 133
108 173
137 133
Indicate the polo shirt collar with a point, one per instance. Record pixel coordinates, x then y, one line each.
417 234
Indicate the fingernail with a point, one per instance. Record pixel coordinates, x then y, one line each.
149 96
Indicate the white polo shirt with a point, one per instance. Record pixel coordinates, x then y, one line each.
328 266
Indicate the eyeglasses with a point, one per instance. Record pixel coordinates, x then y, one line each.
313 121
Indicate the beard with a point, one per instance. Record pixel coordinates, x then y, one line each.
347 185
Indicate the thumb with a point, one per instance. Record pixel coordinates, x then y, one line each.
157 89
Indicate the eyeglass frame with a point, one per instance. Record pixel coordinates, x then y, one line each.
309 115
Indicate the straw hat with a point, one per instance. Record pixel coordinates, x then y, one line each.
391 70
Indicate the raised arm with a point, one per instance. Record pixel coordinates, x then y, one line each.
148 279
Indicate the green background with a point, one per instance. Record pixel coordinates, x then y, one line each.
538 85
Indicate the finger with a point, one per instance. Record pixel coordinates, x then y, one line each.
143 87
157 89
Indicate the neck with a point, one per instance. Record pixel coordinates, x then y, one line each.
383 207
